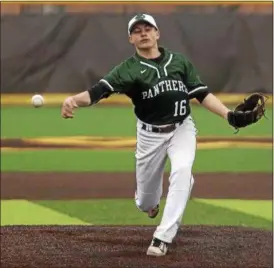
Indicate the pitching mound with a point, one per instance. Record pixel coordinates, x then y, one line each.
87 246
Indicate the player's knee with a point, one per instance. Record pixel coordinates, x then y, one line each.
182 170
143 205
181 178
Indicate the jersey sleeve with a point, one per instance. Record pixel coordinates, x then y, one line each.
192 81
119 79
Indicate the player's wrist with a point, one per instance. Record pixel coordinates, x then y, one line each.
225 115
82 99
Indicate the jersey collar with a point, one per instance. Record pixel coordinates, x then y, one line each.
161 49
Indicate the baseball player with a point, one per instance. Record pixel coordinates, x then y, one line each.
160 84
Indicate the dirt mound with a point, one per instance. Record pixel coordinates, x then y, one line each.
87 246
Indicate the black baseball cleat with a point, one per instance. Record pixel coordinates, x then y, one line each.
157 248
152 213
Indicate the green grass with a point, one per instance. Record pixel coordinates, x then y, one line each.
124 212
17 121
262 208
92 121
215 160
68 160
23 212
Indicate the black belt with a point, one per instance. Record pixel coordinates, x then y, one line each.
165 129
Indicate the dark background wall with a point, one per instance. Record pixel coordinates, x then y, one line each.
69 51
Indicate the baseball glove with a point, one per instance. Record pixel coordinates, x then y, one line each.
248 112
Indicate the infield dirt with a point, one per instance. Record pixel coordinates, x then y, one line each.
125 247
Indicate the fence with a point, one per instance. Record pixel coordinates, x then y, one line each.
68 50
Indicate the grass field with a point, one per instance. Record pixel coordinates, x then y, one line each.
18 122
124 212
216 160
101 121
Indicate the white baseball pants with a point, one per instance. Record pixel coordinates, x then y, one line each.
151 154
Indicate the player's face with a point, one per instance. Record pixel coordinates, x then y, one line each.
144 36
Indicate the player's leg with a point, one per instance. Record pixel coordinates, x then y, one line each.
181 152
150 162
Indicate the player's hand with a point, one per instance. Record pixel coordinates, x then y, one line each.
68 106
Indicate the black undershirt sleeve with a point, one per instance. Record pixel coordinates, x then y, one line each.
198 92
201 95
99 91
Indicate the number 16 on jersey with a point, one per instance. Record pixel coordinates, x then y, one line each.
180 108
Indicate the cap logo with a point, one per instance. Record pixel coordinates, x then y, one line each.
139 16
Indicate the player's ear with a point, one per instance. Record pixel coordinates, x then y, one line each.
158 35
130 40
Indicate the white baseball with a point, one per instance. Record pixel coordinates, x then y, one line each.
37 100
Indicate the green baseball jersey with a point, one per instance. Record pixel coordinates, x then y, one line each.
160 91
